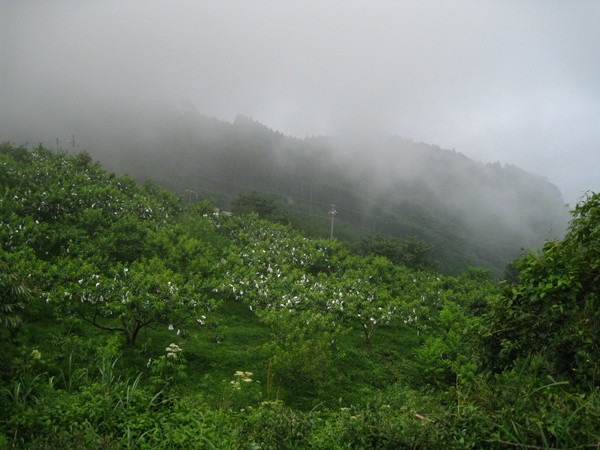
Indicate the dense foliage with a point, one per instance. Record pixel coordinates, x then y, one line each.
555 308
127 320
474 214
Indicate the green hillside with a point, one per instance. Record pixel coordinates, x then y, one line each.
131 320
474 214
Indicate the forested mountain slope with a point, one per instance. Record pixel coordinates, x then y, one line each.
474 214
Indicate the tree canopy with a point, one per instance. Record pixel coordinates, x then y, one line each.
554 308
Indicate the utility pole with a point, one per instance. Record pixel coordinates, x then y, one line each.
190 192
333 212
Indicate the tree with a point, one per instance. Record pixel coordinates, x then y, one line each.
254 203
413 252
376 244
265 207
370 291
131 297
554 309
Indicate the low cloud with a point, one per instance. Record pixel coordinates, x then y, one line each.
510 81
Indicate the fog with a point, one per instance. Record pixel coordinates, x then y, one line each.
513 81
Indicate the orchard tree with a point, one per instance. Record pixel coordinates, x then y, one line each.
131 297
370 292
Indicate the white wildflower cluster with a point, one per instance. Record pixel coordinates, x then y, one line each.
241 377
173 351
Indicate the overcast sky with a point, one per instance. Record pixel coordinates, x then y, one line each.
514 81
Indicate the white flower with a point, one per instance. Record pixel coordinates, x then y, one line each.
170 327
173 348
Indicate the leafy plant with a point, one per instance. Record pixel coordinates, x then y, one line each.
555 307
14 296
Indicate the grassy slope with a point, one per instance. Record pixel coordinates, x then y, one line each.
360 369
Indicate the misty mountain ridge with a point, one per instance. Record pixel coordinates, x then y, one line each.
475 214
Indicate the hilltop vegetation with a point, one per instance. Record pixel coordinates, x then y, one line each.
130 320
473 214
